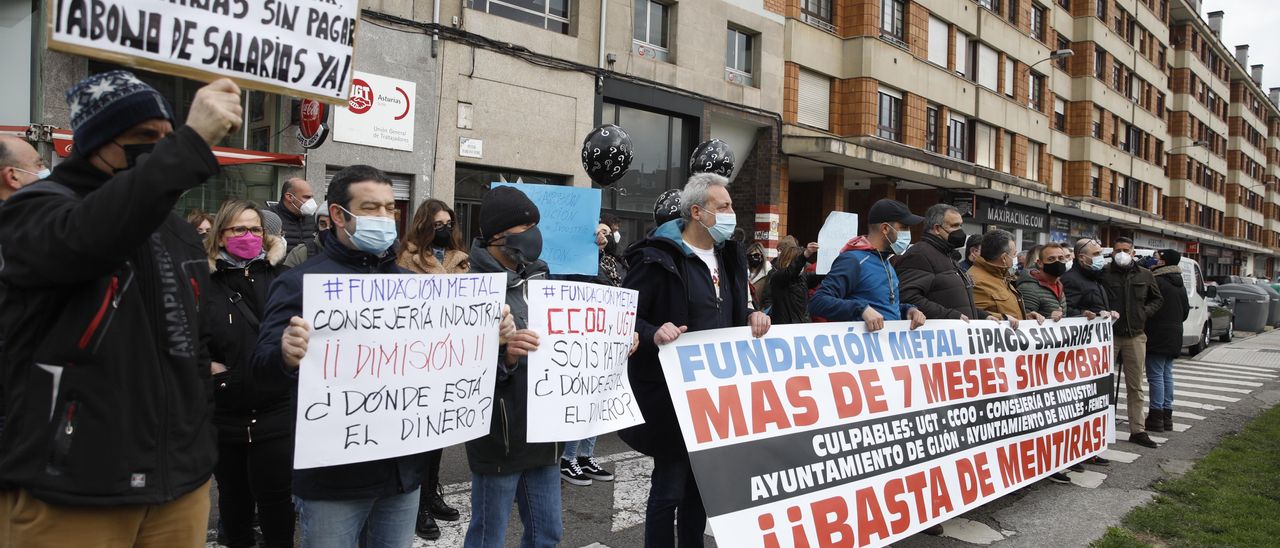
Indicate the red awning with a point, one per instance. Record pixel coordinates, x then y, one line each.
226 156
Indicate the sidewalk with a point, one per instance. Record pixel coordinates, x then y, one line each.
1225 387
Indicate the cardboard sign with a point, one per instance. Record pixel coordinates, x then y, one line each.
863 439
569 216
397 364
578 384
302 48
379 114
839 228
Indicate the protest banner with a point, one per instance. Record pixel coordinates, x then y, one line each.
862 439
397 364
578 381
839 228
302 48
569 218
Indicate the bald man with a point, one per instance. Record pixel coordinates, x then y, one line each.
20 165
297 209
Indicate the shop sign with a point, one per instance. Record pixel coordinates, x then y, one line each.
380 113
1007 215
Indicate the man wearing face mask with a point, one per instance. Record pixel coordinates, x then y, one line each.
297 209
931 278
109 433
1041 286
20 165
334 501
503 463
862 285
1134 293
1082 284
993 276
691 276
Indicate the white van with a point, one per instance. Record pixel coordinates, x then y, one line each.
1196 328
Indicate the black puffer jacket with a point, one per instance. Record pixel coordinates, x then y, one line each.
298 229
245 411
506 449
106 374
933 282
1084 290
675 286
789 287
1164 328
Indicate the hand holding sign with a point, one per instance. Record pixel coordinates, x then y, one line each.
293 343
521 344
668 333
507 328
216 111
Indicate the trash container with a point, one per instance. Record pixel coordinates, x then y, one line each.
1251 304
1273 314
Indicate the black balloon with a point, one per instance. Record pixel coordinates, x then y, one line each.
712 156
667 207
606 154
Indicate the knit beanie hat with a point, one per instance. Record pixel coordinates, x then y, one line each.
504 207
1171 257
105 105
271 223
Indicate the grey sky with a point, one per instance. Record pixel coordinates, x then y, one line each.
1253 22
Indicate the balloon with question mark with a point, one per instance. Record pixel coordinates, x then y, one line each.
606 154
713 156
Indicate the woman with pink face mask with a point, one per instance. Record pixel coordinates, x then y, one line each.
255 441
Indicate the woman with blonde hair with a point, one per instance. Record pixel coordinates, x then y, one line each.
433 246
255 426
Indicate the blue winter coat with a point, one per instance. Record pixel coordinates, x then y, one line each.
860 277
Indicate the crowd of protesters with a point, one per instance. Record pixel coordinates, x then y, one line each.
146 359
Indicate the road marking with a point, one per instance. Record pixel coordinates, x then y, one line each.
1120 456
1178 385
1220 373
1199 378
1087 479
1241 368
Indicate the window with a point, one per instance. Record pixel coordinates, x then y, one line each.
938 31
738 57
1059 114
1100 64
984 145
1058 167
1006 152
817 11
1066 4
1035 91
650 29
962 53
1102 10
552 15
1033 160
931 129
1063 43
1094 180
472 182
957 139
814 99
891 17
1037 22
1013 12
1097 122
993 5
984 69
1008 76
660 165
889 124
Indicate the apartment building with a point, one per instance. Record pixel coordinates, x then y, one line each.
1055 119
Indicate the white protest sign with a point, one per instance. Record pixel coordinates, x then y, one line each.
839 228
397 364
578 383
380 113
300 47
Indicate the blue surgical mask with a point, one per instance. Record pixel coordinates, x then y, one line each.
1099 262
903 241
40 175
373 235
723 229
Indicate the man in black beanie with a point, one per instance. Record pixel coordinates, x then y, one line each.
108 439
1164 338
504 461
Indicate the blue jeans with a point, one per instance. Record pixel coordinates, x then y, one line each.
675 510
1160 377
582 448
535 491
388 521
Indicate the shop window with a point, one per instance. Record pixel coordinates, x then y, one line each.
471 182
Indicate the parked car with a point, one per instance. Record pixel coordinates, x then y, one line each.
1221 318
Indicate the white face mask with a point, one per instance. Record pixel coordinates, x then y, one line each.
308 207
1122 259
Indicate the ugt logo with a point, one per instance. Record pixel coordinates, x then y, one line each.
361 97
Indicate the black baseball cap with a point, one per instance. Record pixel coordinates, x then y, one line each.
891 211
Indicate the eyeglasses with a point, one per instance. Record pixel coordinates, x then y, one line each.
439 225
240 230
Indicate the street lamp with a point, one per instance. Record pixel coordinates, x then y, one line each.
1057 54
1200 143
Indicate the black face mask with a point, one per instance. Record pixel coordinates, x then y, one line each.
1055 269
755 262
443 236
611 247
957 238
132 153
524 248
